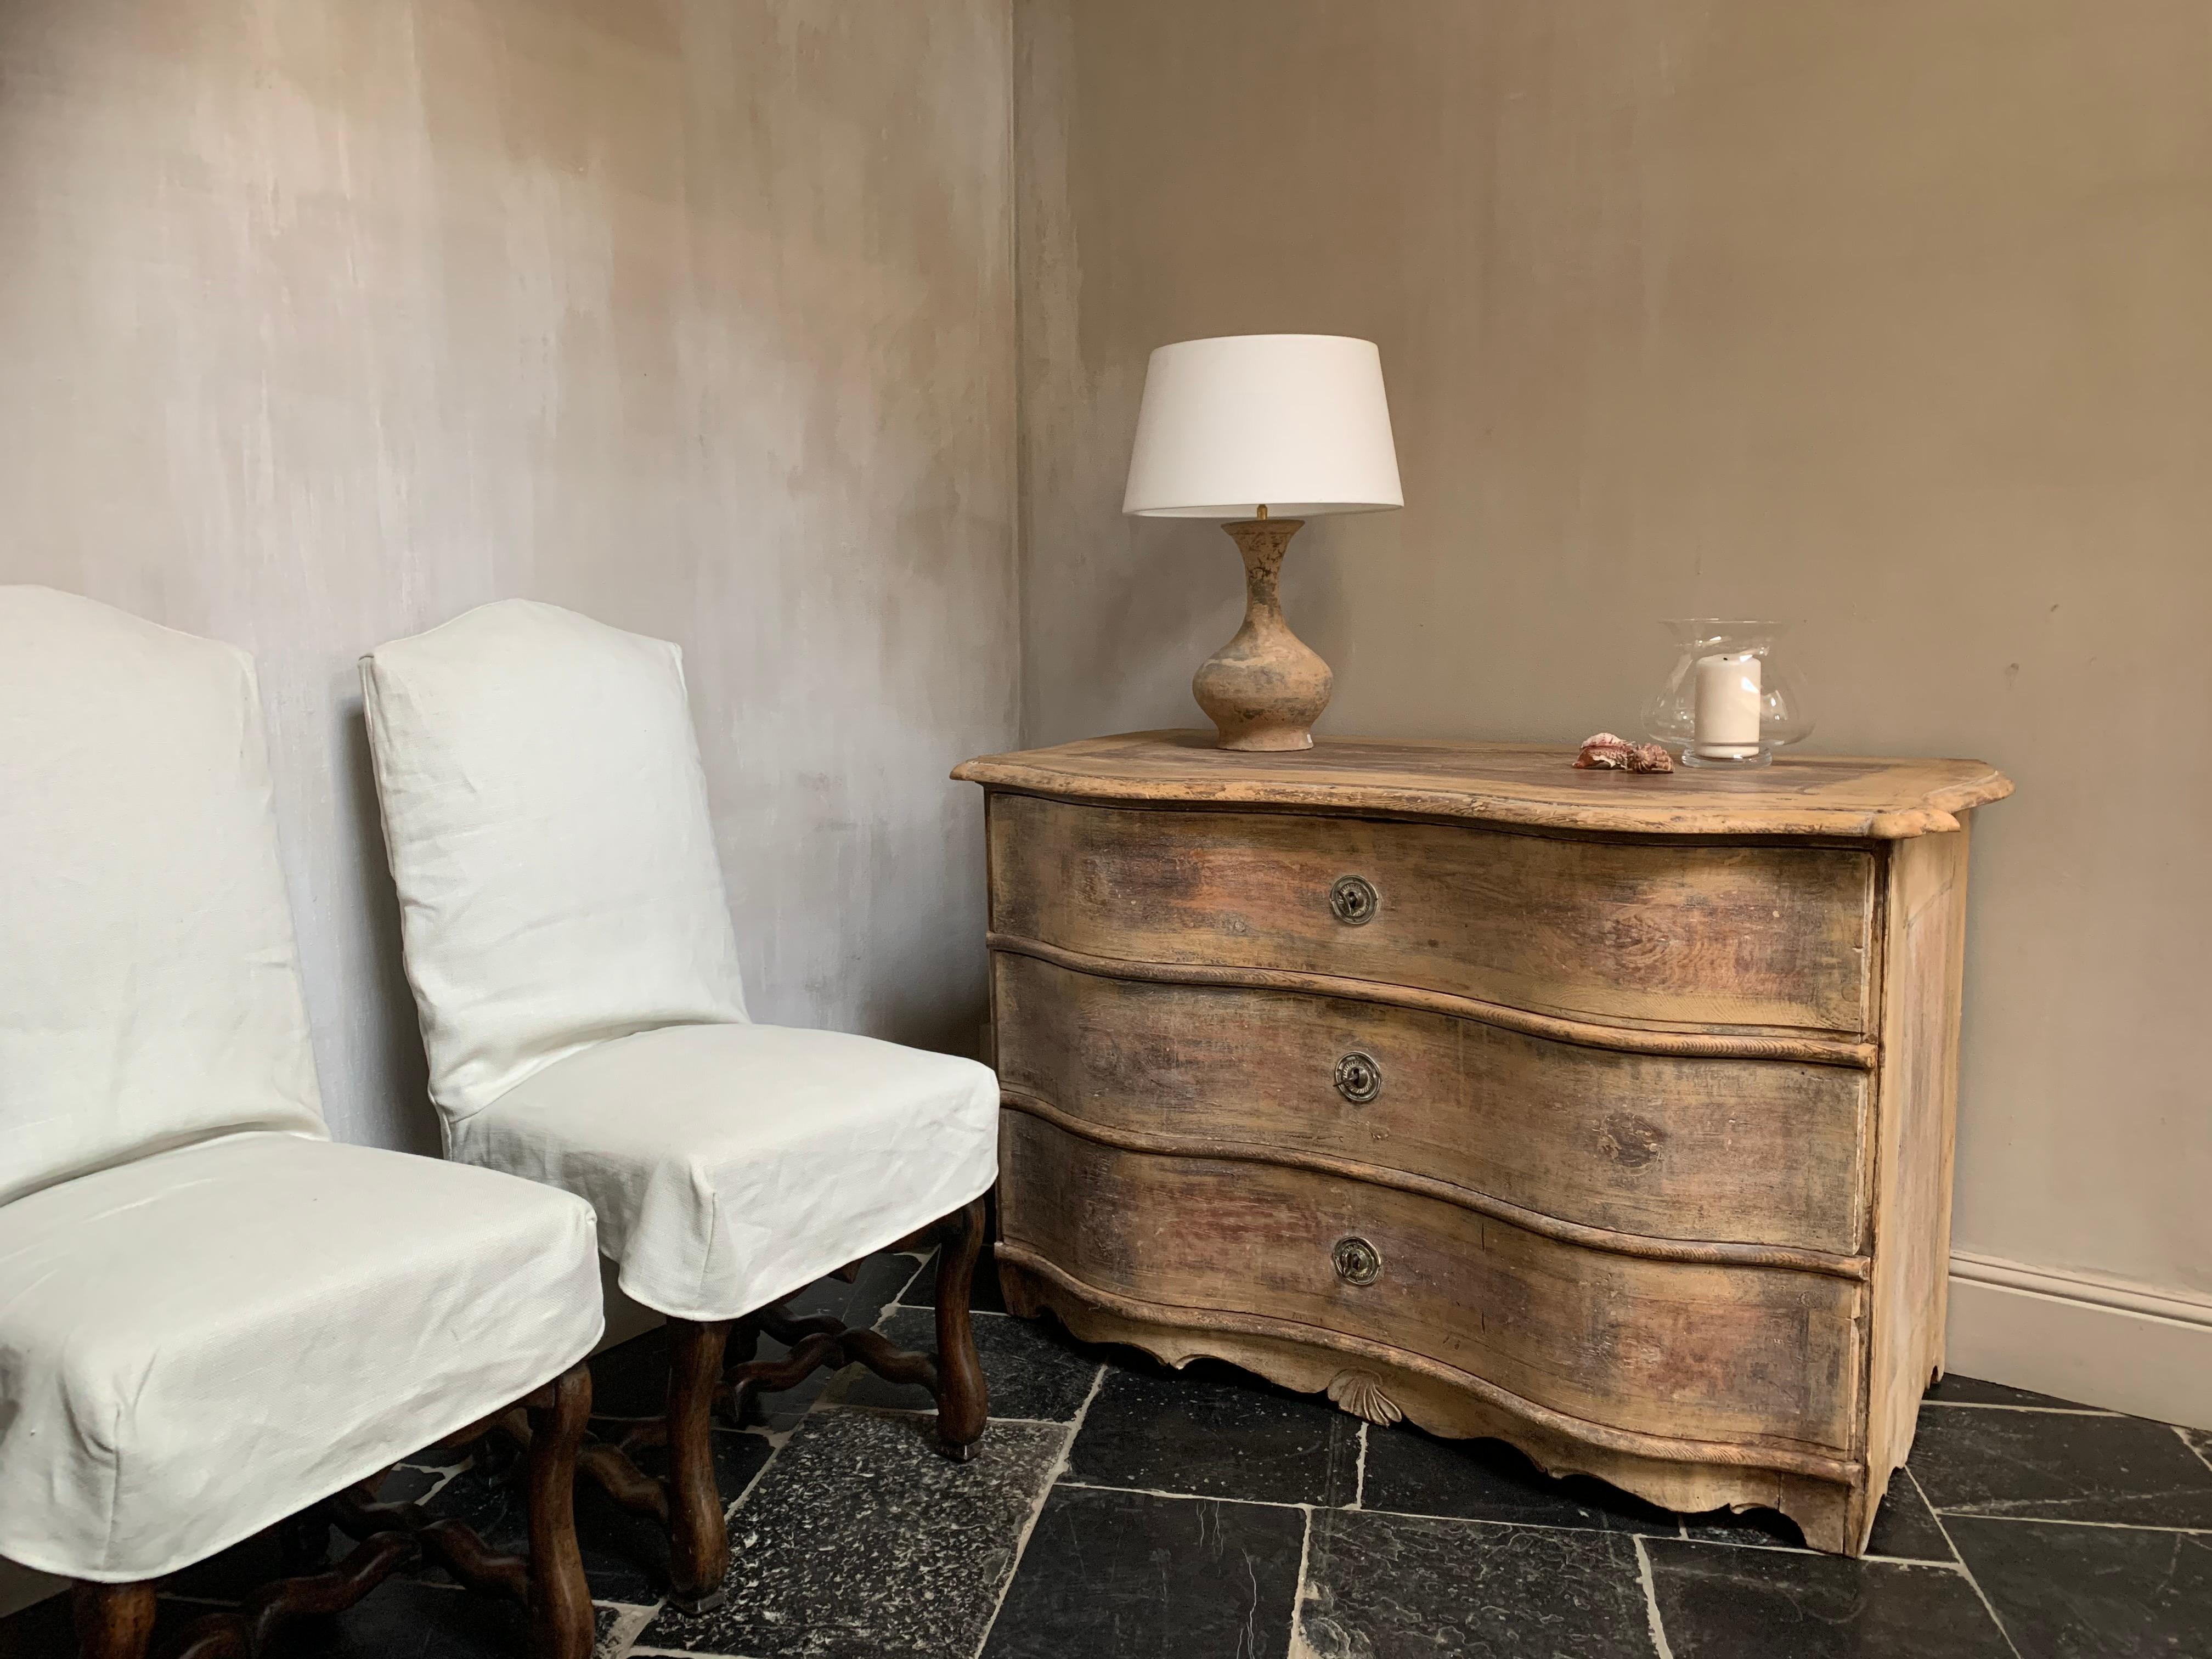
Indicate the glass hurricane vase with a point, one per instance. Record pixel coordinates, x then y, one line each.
1731 700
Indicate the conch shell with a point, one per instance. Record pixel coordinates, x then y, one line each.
1604 752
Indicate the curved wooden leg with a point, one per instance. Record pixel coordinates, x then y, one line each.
561 1622
699 1540
113 1621
962 1402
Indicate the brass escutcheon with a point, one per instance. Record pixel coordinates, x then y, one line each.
1352 900
1357 1262
1359 1078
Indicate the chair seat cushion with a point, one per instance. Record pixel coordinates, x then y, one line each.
733 1164
197 1344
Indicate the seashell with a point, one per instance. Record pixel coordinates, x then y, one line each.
1605 752
1361 1393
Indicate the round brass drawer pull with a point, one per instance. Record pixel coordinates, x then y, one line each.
1357 1262
1359 1078
1352 900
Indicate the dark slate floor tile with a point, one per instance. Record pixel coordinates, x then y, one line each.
861 1542
1719 1602
2055 1466
42 1630
1416 1474
1760 1529
243 1568
1111 1574
398 1617
625 1555
1216 1432
1034 1370
422 1621
1972 1391
2076 1592
878 1283
631 1379
1398 1587
1904 1529
986 1296
246 1566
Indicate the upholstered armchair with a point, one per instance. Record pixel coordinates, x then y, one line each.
570 943
212 1318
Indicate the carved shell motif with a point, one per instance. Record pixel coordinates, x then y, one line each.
1361 1393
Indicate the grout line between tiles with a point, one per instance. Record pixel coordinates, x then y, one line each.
2204 1452
1775 1546
925 1411
2061 1521
1188 1497
776 1442
1658 1626
1044 1493
1359 1478
629 1623
1993 1406
884 1311
1300 1647
1988 1606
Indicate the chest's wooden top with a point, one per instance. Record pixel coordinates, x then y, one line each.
1511 783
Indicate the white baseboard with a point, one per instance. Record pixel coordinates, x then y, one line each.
2080 1337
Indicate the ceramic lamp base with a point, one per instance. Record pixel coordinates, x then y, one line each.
1265 688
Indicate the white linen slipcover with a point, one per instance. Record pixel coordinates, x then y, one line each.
568 936
733 1164
196 1344
149 993
545 815
210 1316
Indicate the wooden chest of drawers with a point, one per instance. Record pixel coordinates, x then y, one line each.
1607 1114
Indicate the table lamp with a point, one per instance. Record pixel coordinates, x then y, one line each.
1266 431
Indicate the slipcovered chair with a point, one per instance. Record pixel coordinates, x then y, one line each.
569 942
212 1318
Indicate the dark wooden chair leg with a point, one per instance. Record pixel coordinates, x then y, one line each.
699 1539
963 1403
562 1625
113 1621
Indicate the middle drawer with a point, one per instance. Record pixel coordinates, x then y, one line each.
1759 1152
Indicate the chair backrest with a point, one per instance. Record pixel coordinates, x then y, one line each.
150 984
545 814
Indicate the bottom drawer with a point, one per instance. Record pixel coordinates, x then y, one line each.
1750 1354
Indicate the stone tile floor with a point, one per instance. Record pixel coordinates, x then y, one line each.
1122 1510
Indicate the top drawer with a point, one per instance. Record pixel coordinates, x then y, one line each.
1747 938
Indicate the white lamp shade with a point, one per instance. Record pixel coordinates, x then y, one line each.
1295 422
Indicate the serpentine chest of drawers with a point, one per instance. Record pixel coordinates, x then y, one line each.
1606 1114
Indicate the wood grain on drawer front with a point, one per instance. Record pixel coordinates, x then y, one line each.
1762 937
1757 1355
1753 1150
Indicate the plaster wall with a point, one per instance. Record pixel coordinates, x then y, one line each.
1886 318
322 322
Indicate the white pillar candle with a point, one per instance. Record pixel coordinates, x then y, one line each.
1727 707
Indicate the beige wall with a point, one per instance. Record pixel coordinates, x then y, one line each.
321 322
1892 317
